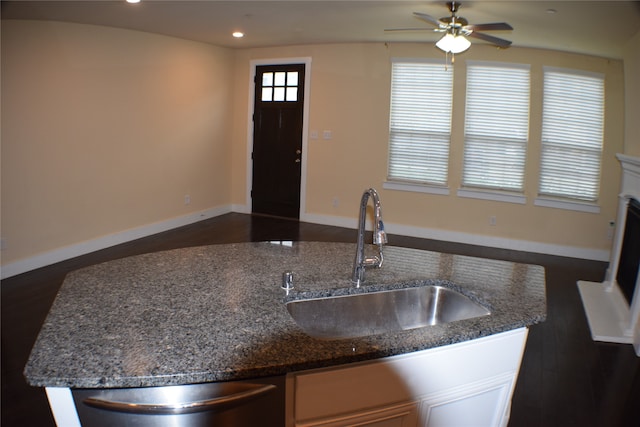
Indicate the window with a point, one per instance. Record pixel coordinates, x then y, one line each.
572 134
420 122
496 126
280 86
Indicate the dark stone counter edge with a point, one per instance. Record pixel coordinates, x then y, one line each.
257 372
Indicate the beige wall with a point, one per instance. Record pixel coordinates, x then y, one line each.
632 92
350 97
105 130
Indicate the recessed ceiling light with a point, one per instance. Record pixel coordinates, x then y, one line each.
238 34
551 11
133 1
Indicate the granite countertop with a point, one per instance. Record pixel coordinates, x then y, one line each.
217 313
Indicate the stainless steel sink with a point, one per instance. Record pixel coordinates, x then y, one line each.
384 311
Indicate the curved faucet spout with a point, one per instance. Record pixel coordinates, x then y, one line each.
379 237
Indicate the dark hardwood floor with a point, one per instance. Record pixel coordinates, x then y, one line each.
566 379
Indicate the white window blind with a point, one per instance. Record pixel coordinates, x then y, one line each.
496 125
420 122
572 134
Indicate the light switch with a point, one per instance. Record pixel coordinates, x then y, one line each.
326 134
313 134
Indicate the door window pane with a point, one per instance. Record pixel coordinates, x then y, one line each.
267 94
292 94
278 94
292 78
279 79
280 86
267 79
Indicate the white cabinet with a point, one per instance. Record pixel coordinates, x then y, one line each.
464 384
403 415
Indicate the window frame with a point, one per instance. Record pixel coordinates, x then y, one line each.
566 201
502 193
408 183
499 194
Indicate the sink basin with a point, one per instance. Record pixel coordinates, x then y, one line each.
373 313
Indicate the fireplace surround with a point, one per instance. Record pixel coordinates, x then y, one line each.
613 308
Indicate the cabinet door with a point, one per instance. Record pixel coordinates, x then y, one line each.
464 384
403 415
485 403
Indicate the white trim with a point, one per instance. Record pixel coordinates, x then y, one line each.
629 163
495 196
470 239
416 188
245 209
82 248
607 312
499 64
63 407
567 205
335 221
305 123
572 71
630 176
611 318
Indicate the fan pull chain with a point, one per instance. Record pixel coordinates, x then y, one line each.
449 61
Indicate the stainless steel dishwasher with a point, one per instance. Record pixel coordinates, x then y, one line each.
256 402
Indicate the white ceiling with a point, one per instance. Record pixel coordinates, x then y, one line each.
599 28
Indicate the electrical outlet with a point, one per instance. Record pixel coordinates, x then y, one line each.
493 220
611 229
187 199
335 202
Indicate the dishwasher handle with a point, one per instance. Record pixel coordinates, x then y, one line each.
217 403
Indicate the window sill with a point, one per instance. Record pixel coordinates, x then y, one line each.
416 188
548 202
495 196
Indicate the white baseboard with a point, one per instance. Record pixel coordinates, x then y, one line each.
82 248
245 209
468 238
336 221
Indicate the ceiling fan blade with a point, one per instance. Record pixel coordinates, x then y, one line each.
412 29
496 26
428 18
491 39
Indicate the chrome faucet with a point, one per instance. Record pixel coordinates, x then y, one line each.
379 237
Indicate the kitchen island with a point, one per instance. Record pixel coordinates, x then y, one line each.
217 313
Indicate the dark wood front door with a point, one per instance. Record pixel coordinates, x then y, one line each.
277 140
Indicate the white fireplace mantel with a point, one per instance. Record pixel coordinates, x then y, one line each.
630 175
611 318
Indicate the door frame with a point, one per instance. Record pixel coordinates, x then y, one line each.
305 125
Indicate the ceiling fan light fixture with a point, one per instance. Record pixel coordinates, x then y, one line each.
453 44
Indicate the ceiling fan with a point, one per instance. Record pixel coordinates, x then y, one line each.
456 28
